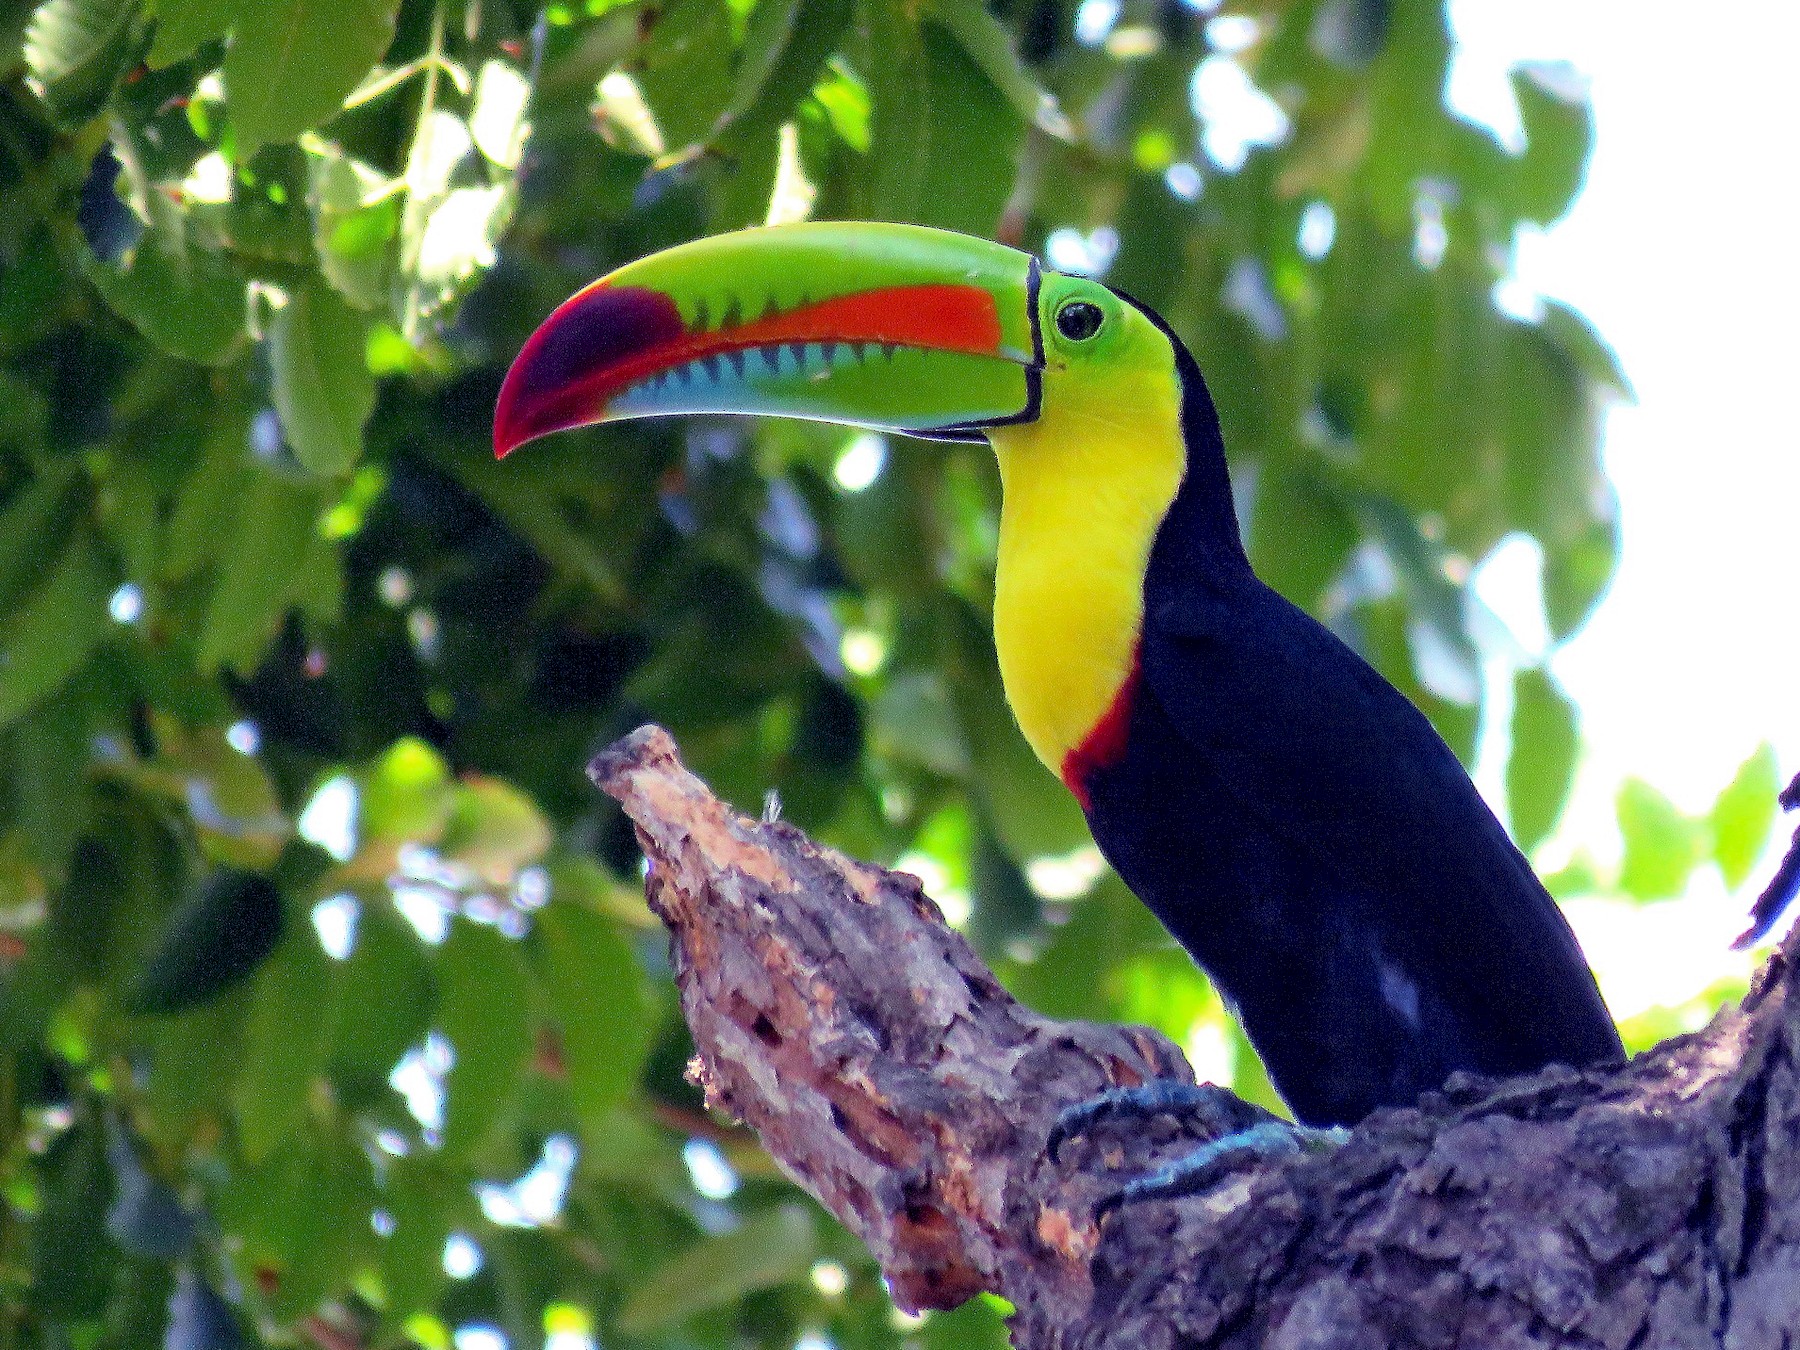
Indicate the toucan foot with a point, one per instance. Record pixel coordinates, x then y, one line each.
1212 1109
1241 1135
1199 1171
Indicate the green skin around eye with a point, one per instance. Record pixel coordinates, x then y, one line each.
1124 345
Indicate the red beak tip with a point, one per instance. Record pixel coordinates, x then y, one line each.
509 434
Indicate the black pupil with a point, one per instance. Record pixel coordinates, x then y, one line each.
1078 320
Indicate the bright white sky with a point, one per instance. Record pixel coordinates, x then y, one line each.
1682 251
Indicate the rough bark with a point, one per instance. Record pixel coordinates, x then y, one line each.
1654 1204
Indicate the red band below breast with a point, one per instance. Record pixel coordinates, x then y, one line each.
1104 745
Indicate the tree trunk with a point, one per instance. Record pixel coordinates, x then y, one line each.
1653 1204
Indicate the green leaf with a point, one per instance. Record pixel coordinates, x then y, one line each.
124 894
1590 352
236 813
33 526
186 298
1435 622
51 789
76 51
1006 908
83 909
424 1199
184 26
128 516
24 412
978 1324
267 220
71 1258
319 580
386 998
785 49
301 1220
534 512
1106 930
1576 575
256 577
1541 765
1744 814
296 63
1559 136
223 932
56 630
287 1043
845 101
194 1054
138 1315
974 140
766 38
773 1248
899 110
945 143
598 998
1655 1025
1555 487
484 1010
494 829
355 225
1389 639
990 47
684 69
321 383
208 500
1661 844
406 795
914 721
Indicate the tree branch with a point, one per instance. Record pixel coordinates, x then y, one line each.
1650 1205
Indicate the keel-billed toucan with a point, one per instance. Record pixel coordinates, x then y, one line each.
1296 823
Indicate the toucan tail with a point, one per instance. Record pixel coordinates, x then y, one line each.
1783 887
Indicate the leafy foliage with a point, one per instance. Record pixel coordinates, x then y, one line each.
329 1007
1663 845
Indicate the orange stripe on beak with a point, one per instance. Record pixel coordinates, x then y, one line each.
608 338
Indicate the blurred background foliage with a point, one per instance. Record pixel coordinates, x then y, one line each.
329 1007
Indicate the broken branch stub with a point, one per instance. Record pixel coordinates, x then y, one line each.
882 1064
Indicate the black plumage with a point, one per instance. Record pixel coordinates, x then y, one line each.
1783 887
1308 837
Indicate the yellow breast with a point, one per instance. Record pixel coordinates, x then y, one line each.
1085 487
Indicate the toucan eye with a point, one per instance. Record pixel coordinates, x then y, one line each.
1079 320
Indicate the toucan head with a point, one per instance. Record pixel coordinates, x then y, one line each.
892 327
1098 417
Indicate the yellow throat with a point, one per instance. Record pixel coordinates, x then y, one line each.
1085 487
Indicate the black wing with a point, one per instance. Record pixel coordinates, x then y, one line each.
1335 761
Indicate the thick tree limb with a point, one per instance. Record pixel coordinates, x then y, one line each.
1650 1205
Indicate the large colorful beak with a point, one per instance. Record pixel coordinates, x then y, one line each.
893 327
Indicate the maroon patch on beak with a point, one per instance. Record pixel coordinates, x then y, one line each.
549 385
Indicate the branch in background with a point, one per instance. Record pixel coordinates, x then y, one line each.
1656 1204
